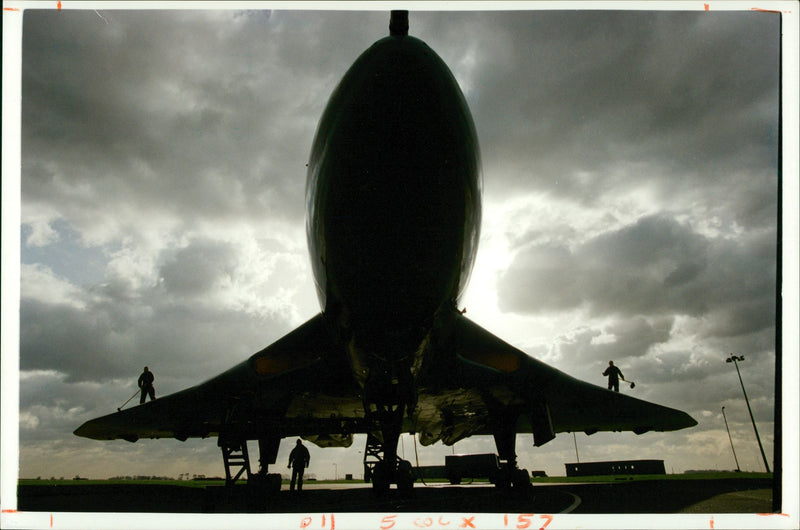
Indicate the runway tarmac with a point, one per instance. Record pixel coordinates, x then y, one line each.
642 496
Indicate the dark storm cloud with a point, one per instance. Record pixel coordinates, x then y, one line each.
113 337
63 338
186 317
656 266
635 336
198 267
201 127
194 114
684 101
586 349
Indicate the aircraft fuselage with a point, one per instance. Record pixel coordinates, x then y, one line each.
393 204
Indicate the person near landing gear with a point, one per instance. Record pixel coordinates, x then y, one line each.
299 459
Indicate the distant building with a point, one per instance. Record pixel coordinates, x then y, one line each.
619 467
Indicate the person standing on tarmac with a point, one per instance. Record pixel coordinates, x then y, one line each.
299 459
146 385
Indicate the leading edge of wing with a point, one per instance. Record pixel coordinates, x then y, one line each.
201 410
568 404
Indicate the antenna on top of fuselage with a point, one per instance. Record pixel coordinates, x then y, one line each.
398 24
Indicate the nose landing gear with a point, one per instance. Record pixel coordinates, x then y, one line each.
382 466
503 423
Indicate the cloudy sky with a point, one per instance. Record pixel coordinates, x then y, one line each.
630 200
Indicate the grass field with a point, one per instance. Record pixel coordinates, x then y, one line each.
689 476
537 480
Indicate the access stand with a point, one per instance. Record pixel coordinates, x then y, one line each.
236 459
372 456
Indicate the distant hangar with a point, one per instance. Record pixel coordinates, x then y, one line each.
618 467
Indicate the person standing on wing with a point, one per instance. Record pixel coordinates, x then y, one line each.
614 375
146 385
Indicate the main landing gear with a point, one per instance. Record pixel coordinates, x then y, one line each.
503 424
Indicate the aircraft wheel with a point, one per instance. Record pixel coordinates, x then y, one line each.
274 480
405 478
503 481
521 479
381 479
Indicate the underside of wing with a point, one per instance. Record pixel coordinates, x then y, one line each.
486 381
302 385
299 386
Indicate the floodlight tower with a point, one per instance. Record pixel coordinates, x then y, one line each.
733 359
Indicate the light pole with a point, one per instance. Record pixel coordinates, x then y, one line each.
738 470
576 447
733 359
336 471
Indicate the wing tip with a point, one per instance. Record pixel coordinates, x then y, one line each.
83 431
